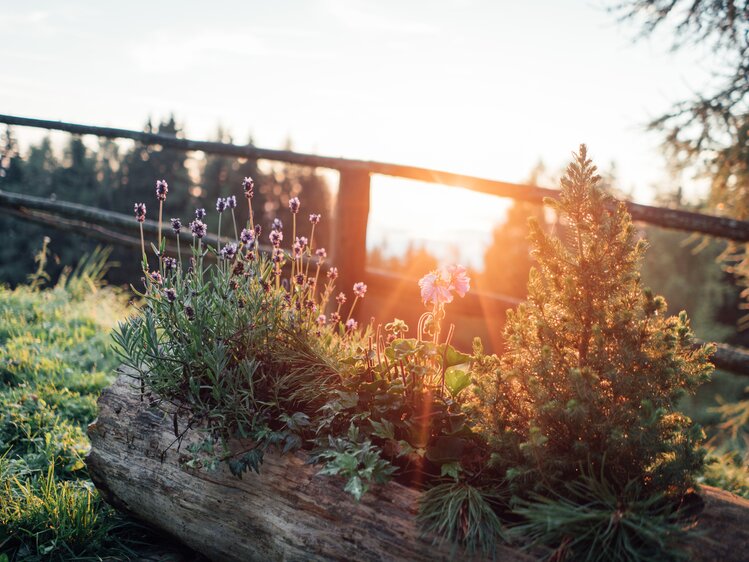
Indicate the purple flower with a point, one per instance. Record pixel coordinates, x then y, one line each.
333 273
258 231
321 254
294 205
360 289
170 294
140 212
176 225
189 312
249 187
200 213
302 241
250 256
247 236
198 228
297 250
335 318
299 278
221 204
322 320
277 224
231 202
277 255
229 251
155 277
351 324
314 219
341 298
162 188
275 237
310 305
170 264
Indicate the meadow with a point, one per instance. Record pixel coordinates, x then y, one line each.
55 358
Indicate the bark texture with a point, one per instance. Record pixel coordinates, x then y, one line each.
287 512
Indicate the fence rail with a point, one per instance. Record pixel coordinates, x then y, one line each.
352 211
722 227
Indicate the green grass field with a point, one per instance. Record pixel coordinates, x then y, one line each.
55 358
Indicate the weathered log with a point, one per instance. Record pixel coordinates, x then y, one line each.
288 512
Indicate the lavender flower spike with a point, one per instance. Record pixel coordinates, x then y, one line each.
140 212
248 185
221 204
247 236
162 188
200 213
294 205
198 228
176 225
360 289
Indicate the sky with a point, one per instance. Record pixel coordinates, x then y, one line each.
484 87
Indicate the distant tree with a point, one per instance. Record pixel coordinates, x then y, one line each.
144 164
711 130
412 264
508 260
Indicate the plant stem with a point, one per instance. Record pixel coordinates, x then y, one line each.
350 312
234 220
218 236
142 244
161 206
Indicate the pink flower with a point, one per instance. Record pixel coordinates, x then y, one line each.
460 280
437 286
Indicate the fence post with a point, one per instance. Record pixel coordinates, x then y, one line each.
350 232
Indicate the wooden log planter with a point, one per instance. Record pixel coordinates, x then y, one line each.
288 512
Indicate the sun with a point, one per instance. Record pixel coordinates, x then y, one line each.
453 223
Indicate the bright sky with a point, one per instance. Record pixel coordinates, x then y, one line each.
485 87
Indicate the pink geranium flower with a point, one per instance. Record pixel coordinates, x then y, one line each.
437 286
460 280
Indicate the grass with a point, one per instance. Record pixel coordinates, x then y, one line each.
55 358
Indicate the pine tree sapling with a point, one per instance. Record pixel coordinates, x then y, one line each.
593 368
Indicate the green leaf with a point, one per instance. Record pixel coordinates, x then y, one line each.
355 487
457 378
384 429
454 357
451 469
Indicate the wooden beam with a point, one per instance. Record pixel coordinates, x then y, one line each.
350 231
721 227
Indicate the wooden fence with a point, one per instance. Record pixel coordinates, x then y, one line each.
351 218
